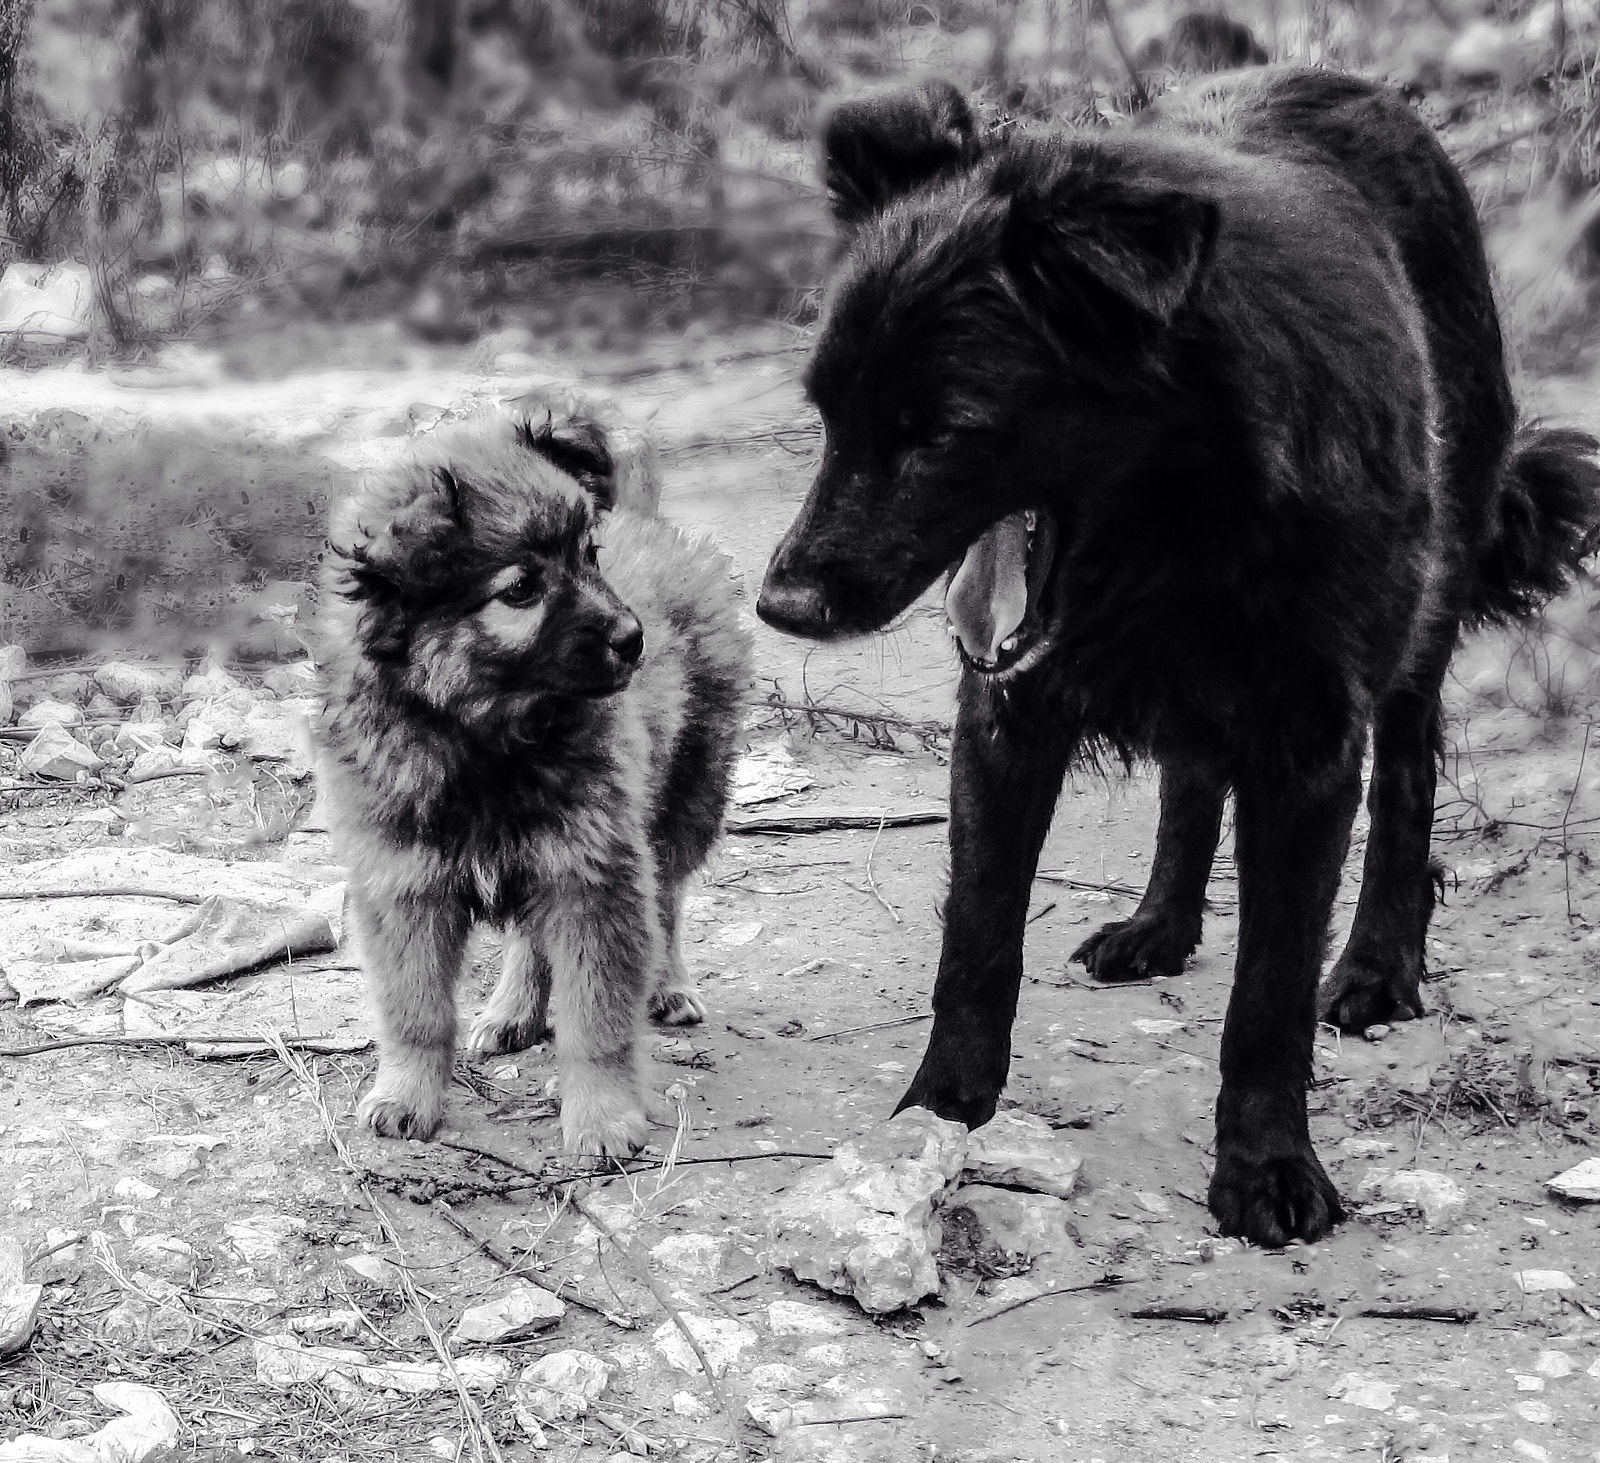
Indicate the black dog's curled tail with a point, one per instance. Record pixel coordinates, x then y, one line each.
1548 520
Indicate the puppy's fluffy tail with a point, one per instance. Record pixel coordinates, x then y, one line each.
1547 519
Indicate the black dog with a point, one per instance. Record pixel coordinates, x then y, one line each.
1212 414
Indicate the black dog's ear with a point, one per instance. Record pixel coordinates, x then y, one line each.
883 144
578 447
1089 250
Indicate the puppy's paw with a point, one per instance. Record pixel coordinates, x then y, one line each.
393 1111
677 1005
602 1116
493 1035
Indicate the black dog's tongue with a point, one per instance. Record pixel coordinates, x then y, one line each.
988 598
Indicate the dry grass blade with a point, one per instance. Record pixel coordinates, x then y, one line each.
664 1299
477 1425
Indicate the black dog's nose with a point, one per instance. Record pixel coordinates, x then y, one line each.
627 640
798 608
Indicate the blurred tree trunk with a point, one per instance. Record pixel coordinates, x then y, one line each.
431 43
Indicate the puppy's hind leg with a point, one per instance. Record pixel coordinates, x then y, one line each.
517 1014
604 943
1165 928
676 1000
412 951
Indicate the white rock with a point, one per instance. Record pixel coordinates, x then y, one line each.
1022 1151
560 1386
480 1374
722 1338
864 1223
1580 1182
7 705
1528 1384
19 1300
375 1270
282 1361
829 1354
1022 1226
777 1376
1532 1451
136 1189
1532 1282
794 1318
686 1404
298 678
13 662
264 1236
50 713
520 1312
697 1256
1441 1199
1554 1364
1533 1411
147 1426
46 301
55 752
1481 51
135 737
129 681
1360 1390
210 683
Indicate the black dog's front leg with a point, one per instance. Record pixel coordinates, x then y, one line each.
1290 837
1006 767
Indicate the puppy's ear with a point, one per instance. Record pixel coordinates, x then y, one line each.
1087 252
578 447
406 548
881 145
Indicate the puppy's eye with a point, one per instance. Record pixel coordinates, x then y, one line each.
522 590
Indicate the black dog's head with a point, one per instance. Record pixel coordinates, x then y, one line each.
1004 312
472 572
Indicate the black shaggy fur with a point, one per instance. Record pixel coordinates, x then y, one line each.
1212 414
530 727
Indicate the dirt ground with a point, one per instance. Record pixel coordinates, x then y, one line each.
219 1203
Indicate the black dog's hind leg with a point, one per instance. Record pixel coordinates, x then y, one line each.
1378 976
1006 768
1290 837
1165 928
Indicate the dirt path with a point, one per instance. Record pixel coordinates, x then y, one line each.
219 1213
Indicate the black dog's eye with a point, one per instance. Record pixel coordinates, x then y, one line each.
522 590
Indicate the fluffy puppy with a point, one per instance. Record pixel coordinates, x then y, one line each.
530 721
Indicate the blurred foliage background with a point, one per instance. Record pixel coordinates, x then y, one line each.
611 167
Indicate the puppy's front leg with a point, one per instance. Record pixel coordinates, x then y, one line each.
604 942
411 949
1006 765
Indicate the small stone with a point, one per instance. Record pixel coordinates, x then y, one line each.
1440 1198
282 1362
19 1300
55 752
1529 1384
1581 1182
298 678
795 1318
520 1312
830 1354
686 1404
1022 1151
1360 1390
1368 1148
50 713
695 1256
135 737
722 1338
127 681
1533 1282
1532 1451
1021 1226
1554 1364
864 1223
136 1189
7 704
1533 1411
13 662
777 1376
560 1386
1377 1031
262 1237
210 683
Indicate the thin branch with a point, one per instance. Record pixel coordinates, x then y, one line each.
105 891
1140 94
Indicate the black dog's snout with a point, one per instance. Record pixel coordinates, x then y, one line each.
626 640
799 609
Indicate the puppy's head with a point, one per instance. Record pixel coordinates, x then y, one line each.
473 577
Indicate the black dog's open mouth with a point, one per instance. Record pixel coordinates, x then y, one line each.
993 601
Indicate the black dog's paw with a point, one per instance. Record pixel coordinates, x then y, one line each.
960 1078
1358 994
1140 948
1273 1200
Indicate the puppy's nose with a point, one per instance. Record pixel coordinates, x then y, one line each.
800 609
627 640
